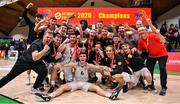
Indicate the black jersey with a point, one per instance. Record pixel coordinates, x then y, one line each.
117 65
136 63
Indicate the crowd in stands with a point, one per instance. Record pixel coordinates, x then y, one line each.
172 36
10 44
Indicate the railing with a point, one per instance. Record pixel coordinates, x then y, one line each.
6 2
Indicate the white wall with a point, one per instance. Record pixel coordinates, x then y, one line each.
99 3
171 17
4 2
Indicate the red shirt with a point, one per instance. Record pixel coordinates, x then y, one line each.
153 45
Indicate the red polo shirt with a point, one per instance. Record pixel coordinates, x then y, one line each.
153 45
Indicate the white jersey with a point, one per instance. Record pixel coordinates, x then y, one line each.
81 72
69 54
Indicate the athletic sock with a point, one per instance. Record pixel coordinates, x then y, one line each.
53 83
52 94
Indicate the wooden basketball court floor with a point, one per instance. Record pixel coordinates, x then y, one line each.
21 92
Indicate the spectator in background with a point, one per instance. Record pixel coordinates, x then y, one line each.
177 44
163 29
22 46
171 32
177 36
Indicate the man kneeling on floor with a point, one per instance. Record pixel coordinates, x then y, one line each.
81 81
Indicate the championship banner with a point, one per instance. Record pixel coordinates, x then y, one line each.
92 15
173 62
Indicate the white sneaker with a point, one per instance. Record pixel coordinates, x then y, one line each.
46 82
42 97
153 89
117 93
33 91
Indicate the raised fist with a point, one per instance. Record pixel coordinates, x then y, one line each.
29 5
46 47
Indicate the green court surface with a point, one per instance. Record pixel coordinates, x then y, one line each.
7 100
156 71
